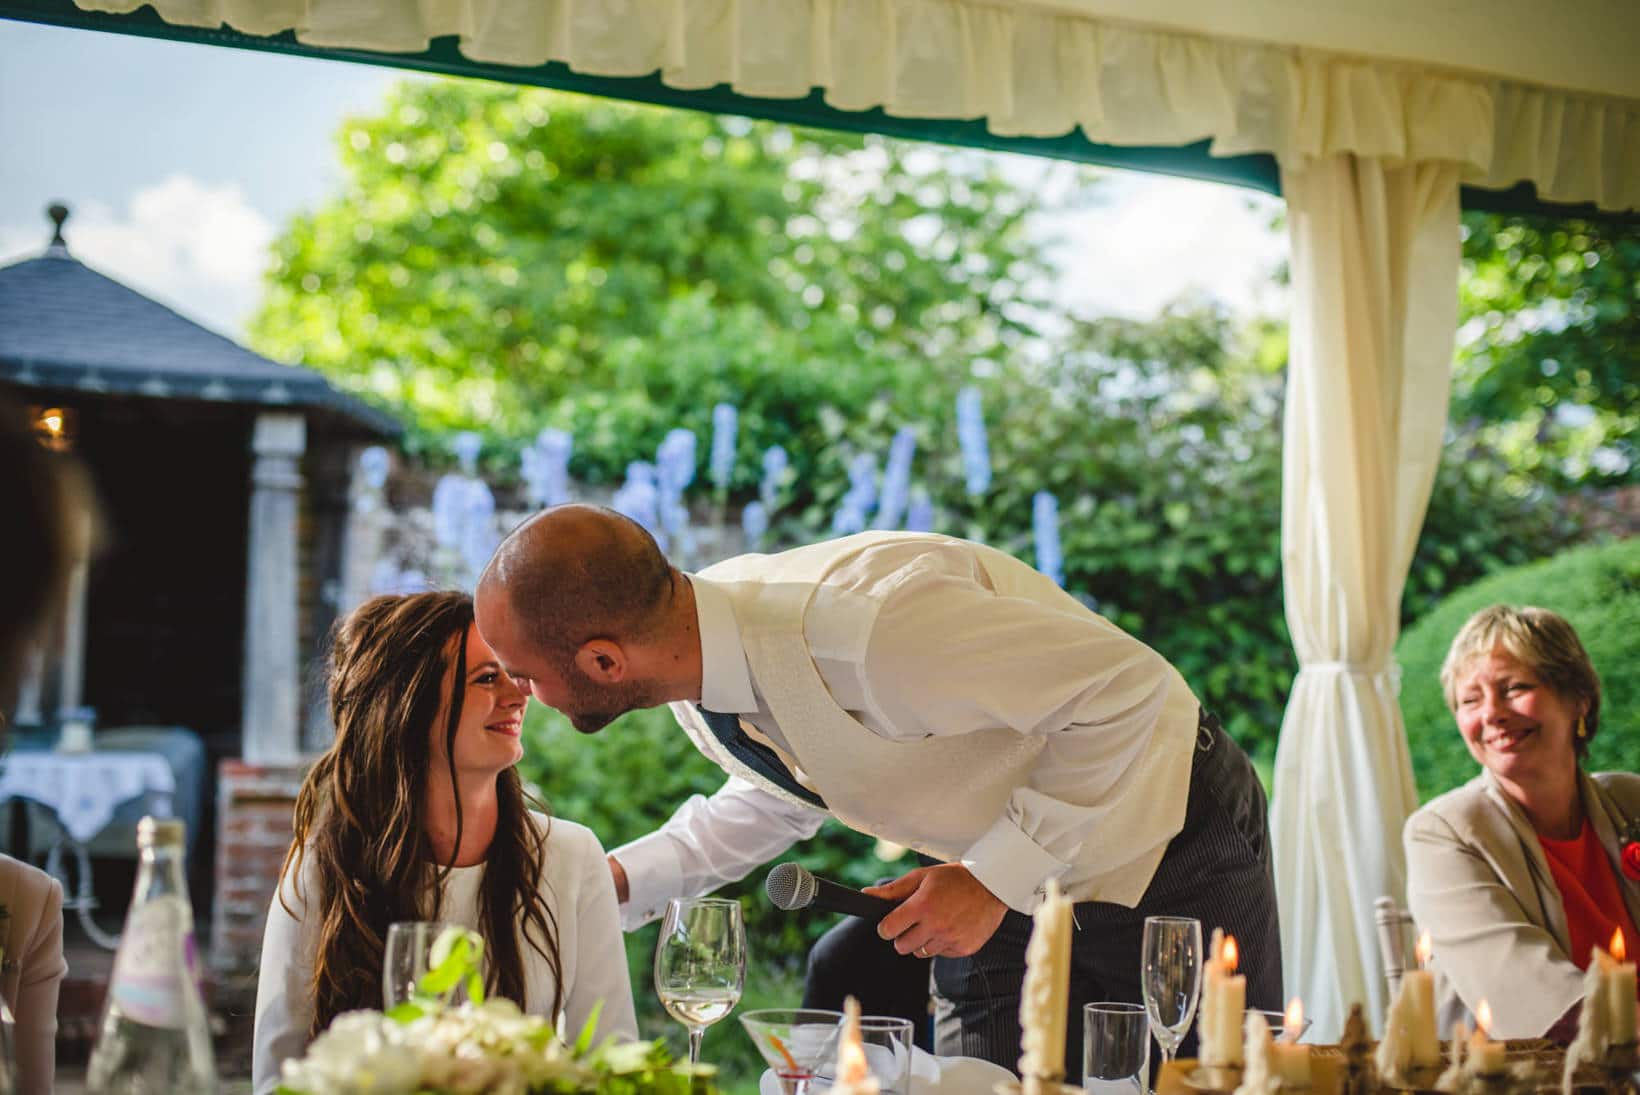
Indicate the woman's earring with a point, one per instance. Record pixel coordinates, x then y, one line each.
1582 731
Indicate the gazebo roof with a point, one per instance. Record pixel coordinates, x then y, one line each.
64 325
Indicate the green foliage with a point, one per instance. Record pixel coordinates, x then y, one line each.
1598 590
1549 363
510 259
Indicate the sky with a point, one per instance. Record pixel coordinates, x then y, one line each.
182 163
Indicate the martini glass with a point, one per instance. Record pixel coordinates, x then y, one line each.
794 1042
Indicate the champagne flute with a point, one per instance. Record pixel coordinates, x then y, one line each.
1171 978
700 963
407 957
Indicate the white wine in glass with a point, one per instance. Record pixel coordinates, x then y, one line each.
1171 978
700 963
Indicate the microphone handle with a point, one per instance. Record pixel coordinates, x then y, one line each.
840 899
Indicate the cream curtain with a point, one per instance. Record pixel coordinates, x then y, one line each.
1375 252
1027 71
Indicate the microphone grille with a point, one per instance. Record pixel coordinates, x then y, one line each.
790 886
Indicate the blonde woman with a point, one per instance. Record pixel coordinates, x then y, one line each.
1519 873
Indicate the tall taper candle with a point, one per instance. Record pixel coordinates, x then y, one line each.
1046 994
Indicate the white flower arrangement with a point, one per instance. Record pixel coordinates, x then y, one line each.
427 1047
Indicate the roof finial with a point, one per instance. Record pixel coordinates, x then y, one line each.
58 212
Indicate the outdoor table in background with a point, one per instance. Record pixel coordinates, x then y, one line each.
81 793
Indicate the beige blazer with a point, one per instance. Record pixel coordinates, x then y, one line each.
33 968
1478 882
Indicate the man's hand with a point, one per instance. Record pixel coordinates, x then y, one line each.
622 890
944 910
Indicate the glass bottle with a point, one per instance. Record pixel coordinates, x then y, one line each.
155 1036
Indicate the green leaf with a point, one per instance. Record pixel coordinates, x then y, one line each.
583 1041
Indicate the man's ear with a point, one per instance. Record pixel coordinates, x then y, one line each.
603 661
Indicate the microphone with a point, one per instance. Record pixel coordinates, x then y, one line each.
792 887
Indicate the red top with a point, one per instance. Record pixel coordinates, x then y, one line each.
1590 891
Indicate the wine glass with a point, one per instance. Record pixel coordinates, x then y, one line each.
407 958
700 963
794 1042
1172 978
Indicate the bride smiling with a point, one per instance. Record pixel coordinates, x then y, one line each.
417 813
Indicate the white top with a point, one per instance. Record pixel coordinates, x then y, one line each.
913 641
576 884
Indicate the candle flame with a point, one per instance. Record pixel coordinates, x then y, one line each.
851 1063
1619 951
1293 1021
1483 1018
1425 950
1230 954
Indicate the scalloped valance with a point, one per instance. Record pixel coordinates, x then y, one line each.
1025 72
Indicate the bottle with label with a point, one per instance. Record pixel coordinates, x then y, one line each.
155 1036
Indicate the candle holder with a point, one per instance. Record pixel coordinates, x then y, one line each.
1618 1068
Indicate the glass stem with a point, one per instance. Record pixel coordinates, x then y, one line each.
695 1036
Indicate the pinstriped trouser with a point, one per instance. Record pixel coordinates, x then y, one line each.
1217 869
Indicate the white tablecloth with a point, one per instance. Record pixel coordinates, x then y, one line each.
84 789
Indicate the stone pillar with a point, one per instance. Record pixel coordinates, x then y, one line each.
272 672
367 519
71 655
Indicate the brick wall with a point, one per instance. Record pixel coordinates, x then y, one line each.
253 832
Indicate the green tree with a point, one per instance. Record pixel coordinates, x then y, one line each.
1548 368
509 259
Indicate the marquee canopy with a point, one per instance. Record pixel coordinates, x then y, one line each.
1538 104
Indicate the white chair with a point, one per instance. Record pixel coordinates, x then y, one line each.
1395 934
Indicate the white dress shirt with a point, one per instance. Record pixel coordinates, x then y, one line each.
916 644
576 884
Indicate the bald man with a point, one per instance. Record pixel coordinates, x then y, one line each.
924 690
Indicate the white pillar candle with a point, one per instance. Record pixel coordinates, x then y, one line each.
1224 1001
1257 1078
1486 1057
1418 986
1292 1061
1620 985
1046 994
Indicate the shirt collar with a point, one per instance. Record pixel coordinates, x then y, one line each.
725 680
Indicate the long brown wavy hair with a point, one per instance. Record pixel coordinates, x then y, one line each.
361 813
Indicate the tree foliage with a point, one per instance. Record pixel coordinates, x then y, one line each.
1548 368
508 259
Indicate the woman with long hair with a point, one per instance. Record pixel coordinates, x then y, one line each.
417 813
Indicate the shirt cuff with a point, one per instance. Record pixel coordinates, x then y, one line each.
653 877
1012 865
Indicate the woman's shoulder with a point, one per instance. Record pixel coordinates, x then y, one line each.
1461 808
1621 787
25 890
566 837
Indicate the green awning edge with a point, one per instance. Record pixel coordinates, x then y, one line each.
1256 172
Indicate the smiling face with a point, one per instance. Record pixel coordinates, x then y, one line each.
1518 727
492 713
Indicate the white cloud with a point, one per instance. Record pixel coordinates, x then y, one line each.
195 246
1144 240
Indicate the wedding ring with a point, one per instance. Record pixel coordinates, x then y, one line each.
922 952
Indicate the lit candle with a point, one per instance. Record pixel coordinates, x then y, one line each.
1291 1060
1620 994
1486 1057
1046 994
853 1072
1223 1003
1419 987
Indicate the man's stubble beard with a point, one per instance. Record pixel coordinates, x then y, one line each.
599 705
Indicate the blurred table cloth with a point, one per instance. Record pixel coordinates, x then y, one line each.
84 789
